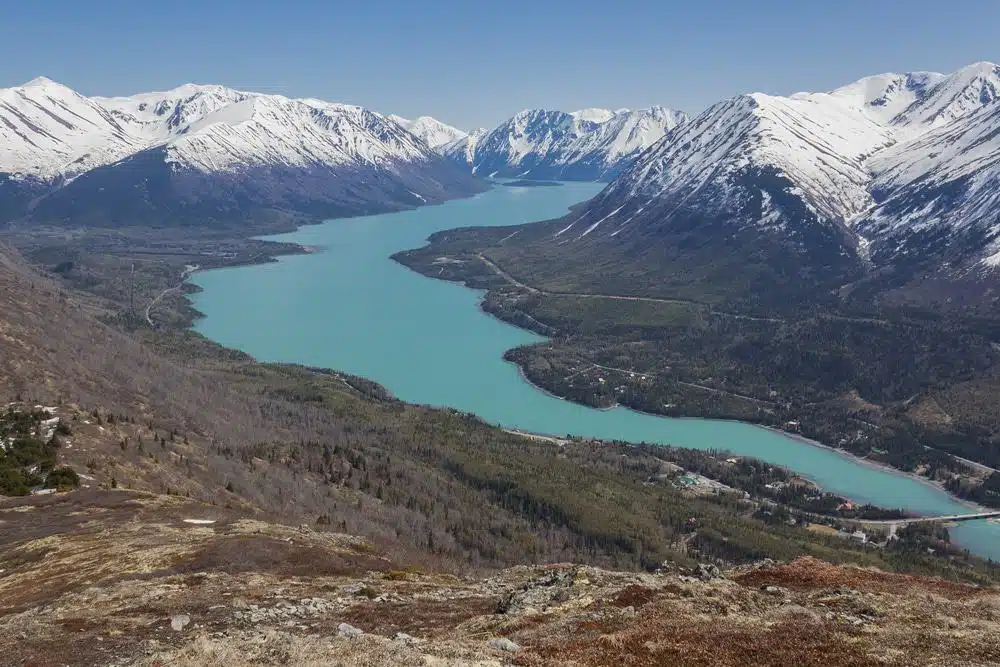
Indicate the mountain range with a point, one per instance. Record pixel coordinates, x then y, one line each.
896 172
209 152
590 144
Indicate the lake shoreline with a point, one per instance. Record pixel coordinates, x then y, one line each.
975 507
791 436
346 253
880 466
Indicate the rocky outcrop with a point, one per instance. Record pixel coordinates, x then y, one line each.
129 582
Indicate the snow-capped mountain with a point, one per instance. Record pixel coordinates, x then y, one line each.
431 131
594 115
49 131
886 169
592 144
884 97
939 195
532 143
462 151
209 147
815 142
159 115
270 129
952 97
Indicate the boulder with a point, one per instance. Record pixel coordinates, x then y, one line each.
348 631
179 621
504 644
706 571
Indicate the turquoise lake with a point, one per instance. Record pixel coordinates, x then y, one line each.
349 307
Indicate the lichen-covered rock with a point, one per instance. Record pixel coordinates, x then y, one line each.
348 631
504 644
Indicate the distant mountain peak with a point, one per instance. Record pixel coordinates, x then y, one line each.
594 115
588 144
209 143
980 68
40 82
430 130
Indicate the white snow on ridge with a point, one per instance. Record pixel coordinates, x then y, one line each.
158 115
271 129
817 141
949 176
631 132
992 261
49 132
593 115
233 114
927 144
46 130
431 131
954 96
593 141
883 97
463 150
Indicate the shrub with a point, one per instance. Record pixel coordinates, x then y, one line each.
62 478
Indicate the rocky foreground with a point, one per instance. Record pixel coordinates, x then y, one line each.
123 578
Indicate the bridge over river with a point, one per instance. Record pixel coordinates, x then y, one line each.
894 524
944 518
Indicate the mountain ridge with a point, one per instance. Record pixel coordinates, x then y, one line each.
218 151
430 130
864 159
589 144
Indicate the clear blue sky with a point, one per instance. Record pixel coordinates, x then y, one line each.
474 63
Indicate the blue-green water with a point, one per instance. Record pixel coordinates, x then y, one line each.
351 308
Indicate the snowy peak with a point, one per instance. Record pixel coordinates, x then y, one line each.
44 82
593 115
590 144
918 101
159 156
545 121
891 168
462 151
939 194
628 133
818 142
883 97
431 131
954 96
158 115
48 130
270 129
